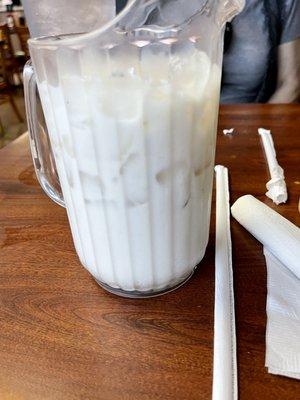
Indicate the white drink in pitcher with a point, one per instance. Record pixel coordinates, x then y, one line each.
134 144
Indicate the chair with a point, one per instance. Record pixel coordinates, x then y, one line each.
6 90
23 33
12 65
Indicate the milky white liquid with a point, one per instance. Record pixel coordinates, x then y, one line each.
134 146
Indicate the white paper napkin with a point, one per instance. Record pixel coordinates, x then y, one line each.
283 324
225 385
281 240
276 186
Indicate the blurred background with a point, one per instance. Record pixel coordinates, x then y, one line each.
261 52
13 55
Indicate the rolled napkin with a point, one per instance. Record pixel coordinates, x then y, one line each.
283 324
276 186
275 232
281 240
225 366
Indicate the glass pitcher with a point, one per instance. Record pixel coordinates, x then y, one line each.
131 110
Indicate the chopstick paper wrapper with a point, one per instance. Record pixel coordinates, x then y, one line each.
225 366
281 240
275 232
276 186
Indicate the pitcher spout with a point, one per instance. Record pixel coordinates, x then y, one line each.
167 13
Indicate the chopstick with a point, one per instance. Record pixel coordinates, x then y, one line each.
225 383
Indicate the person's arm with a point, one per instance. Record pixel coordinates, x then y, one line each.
288 80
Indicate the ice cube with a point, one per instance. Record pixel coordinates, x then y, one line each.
155 63
190 67
135 182
179 176
92 186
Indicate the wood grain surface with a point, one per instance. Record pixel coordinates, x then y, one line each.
62 337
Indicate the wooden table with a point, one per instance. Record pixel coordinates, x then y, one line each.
62 337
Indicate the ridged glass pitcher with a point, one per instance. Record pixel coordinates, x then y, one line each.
131 110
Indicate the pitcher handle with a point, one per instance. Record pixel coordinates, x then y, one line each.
41 151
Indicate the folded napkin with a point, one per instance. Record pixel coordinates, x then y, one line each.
225 365
276 186
281 240
283 327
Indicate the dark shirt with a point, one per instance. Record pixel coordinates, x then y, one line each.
249 66
120 4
